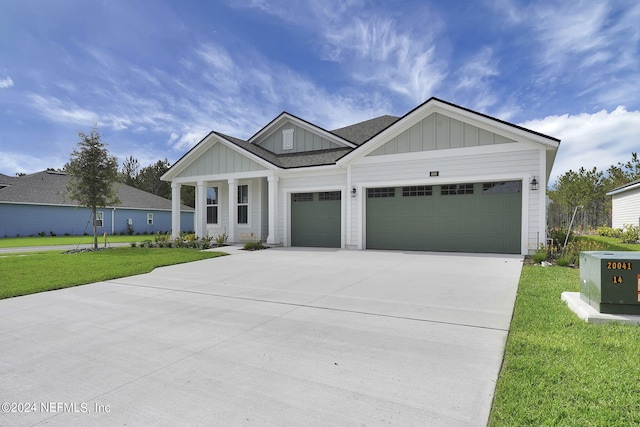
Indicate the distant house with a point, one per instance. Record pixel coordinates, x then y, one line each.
440 178
625 205
36 203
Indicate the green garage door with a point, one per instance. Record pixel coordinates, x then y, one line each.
479 217
315 219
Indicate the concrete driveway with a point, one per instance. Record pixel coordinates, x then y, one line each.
281 337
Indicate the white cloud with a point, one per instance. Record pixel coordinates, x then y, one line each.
6 83
600 139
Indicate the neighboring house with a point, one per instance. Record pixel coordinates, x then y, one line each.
439 178
36 203
625 205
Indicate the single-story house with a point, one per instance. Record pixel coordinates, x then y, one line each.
37 203
625 205
440 178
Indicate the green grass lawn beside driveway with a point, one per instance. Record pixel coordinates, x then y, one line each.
16 242
31 272
559 370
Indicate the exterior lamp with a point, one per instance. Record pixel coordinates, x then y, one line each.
534 183
353 192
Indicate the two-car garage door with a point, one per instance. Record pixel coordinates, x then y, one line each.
462 217
466 217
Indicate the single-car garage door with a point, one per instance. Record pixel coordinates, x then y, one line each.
315 219
466 217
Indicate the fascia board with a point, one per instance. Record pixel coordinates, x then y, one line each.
624 189
286 117
202 146
186 159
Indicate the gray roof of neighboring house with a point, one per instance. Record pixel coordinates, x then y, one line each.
49 187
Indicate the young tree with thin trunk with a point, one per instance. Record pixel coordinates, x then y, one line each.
93 175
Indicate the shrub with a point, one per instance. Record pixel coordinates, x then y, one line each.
253 246
42 234
563 261
559 234
630 233
540 255
133 244
222 239
609 232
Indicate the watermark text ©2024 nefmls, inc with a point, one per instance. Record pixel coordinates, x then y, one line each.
54 407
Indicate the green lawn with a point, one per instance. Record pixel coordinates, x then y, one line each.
559 370
28 273
15 242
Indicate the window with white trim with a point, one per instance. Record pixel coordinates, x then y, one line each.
212 205
149 219
243 204
451 189
99 218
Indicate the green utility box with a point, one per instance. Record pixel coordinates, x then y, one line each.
610 281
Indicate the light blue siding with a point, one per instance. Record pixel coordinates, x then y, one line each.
27 220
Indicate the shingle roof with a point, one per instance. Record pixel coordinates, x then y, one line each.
363 131
357 134
48 187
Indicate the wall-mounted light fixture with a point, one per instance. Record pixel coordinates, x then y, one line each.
434 173
534 183
353 192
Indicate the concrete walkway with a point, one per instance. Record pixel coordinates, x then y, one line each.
280 337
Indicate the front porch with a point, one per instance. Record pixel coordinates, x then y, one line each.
242 206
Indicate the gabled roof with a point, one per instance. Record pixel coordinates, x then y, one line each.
49 188
627 187
354 138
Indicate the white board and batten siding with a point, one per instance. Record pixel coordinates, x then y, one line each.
303 140
626 208
220 159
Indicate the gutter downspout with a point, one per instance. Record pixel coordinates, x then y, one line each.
113 221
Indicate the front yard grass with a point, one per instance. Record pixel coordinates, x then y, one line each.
15 242
28 273
561 371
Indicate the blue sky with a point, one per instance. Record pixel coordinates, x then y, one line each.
157 76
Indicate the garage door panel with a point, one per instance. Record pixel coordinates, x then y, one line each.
488 220
315 221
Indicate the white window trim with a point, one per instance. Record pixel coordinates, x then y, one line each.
149 218
248 205
100 217
217 205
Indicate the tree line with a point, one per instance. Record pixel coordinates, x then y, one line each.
586 190
148 179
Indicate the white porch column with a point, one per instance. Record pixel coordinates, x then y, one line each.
175 210
233 209
201 209
273 203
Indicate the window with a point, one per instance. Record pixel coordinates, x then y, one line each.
287 139
243 204
374 193
212 205
99 218
303 197
418 190
150 219
447 190
508 187
330 195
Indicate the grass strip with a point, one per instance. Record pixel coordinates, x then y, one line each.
16 242
23 274
561 371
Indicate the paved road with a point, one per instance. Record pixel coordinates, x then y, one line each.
281 337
